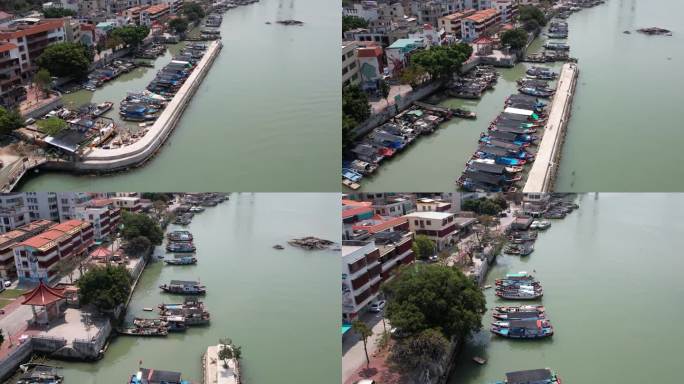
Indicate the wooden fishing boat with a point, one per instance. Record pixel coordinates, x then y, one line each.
180 236
184 287
523 329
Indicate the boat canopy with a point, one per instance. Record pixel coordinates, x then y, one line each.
529 376
483 177
519 111
497 169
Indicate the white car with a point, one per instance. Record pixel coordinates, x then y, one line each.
366 381
378 306
8 283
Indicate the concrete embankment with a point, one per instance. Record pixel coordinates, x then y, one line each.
109 160
545 167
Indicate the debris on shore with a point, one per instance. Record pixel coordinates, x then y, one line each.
655 31
311 243
278 246
290 22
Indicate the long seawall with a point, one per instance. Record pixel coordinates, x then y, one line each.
543 173
111 160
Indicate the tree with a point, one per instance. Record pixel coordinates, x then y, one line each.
423 247
179 25
10 120
353 22
104 287
56 13
418 355
384 90
139 224
113 41
138 246
364 332
515 38
67 266
228 351
43 80
131 35
531 17
432 296
355 103
193 11
442 61
348 125
65 59
485 206
412 75
51 126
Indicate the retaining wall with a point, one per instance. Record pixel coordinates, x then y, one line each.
19 355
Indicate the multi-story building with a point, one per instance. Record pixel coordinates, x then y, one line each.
8 269
429 12
71 5
390 12
507 8
431 205
439 227
154 14
36 257
399 53
480 23
12 91
361 276
128 203
13 211
350 64
451 24
6 17
370 59
32 36
367 10
103 214
67 203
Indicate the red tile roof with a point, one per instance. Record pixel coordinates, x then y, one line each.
43 295
42 26
369 51
53 234
4 47
379 227
355 211
483 15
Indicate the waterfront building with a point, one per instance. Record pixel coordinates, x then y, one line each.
451 24
128 203
431 205
154 14
8 240
367 10
12 91
103 214
35 257
361 276
13 211
429 12
350 65
440 227
370 65
368 34
480 23
507 8
399 53
32 36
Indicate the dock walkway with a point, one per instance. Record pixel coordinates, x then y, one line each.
543 172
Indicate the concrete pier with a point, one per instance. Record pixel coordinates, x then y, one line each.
543 172
109 160
215 372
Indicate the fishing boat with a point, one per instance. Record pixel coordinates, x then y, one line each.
181 260
102 108
181 247
522 292
196 209
557 46
523 329
175 323
522 249
144 331
506 309
350 184
519 315
463 113
184 287
156 376
41 374
179 236
540 224
532 376
351 175
538 92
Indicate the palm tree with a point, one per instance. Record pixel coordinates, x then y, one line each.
365 332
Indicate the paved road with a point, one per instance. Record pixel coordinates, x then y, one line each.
353 356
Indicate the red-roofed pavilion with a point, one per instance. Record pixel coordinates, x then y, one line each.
46 297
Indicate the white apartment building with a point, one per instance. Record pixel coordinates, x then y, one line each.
440 227
350 64
361 276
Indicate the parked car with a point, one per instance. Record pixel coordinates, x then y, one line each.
398 333
366 381
7 283
378 306
433 258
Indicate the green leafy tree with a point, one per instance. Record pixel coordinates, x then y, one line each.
229 351
131 35
515 38
56 13
138 246
485 206
10 120
179 25
139 224
65 59
419 355
432 296
353 22
52 126
165 197
442 61
423 247
43 80
531 17
193 11
412 75
67 267
355 103
364 332
384 89
348 125
104 287
113 41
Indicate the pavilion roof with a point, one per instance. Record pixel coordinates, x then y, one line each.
43 295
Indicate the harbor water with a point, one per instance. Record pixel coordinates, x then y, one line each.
624 116
266 117
611 273
278 305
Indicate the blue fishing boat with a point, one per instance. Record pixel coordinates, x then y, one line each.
523 329
538 92
181 247
180 236
351 175
157 376
181 259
